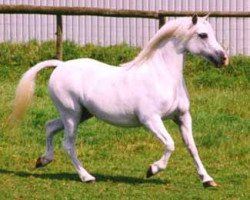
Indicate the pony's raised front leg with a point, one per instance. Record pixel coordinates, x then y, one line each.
156 125
70 127
52 127
185 124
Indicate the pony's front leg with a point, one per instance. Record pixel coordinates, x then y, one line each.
156 125
185 124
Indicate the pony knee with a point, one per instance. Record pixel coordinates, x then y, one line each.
170 146
53 126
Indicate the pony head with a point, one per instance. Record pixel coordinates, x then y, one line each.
202 41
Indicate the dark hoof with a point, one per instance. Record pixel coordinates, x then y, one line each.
39 163
209 184
149 172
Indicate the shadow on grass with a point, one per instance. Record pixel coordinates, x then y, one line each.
74 177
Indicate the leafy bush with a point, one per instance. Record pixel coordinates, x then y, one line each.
203 74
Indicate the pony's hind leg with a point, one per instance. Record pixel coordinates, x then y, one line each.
71 121
52 127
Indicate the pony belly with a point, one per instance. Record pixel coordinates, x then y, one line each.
123 122
117 119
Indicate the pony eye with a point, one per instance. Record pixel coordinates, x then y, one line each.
203 35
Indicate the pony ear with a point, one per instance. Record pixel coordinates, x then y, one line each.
195 19
206 17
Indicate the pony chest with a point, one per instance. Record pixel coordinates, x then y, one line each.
171 100
168 103
158 99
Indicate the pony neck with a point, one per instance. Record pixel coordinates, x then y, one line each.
172 29
168 58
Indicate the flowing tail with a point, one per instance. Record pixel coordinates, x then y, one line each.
26 87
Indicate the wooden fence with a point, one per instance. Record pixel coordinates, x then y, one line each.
60 11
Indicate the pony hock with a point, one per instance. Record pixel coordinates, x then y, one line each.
85 88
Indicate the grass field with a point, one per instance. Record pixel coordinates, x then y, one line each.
119 157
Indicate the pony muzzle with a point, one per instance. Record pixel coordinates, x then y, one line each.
219 58
225 60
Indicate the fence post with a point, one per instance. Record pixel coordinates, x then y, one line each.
162 21
59 38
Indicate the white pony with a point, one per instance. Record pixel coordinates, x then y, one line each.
142 92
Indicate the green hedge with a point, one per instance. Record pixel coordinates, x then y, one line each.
15 58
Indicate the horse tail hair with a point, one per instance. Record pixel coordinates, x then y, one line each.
25 89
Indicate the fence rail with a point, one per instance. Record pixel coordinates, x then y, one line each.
60 11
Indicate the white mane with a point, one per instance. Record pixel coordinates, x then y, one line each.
176 28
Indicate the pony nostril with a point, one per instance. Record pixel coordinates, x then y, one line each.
223 57
226 60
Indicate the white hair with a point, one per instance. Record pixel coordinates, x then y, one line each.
175 28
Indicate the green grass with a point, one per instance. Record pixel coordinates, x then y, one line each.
119 157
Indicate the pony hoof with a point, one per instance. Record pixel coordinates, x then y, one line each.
41 162
149 172
90 181
87 179
209 184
